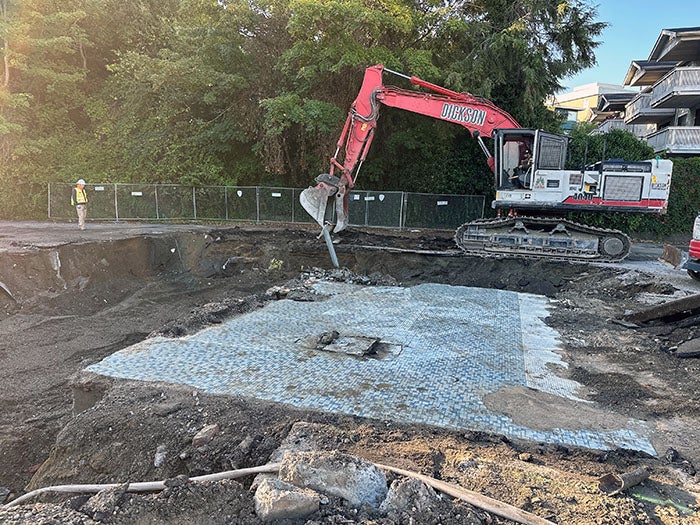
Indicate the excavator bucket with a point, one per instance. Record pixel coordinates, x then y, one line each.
315 199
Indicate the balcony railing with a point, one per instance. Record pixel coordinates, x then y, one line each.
678 89
639 130
676 140
639 111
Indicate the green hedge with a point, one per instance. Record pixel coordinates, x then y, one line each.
684 202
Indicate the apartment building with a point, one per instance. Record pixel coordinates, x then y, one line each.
669 93
582 103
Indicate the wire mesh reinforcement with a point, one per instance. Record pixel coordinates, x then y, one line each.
392 209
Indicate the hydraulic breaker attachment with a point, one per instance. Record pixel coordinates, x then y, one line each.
315 201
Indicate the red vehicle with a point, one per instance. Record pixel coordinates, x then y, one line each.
693 262
529 172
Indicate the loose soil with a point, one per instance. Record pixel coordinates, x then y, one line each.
69 299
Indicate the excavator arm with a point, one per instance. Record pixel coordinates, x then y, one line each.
478 115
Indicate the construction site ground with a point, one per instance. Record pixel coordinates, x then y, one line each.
71 298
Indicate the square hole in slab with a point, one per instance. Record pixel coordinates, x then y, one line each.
357 346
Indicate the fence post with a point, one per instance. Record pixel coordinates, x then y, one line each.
402 217
116 204
367 209
226 201
257 204
48 204
155 193
194 203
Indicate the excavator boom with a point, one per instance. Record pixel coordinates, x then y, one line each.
480 116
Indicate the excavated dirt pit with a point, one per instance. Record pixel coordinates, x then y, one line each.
71 299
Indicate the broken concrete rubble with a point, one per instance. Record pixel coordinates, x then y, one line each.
408 494
277 500
406 497
337 475
205 435
100 507
355 480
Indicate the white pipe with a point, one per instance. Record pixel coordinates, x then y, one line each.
146 486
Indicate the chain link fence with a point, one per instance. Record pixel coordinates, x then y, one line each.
389 209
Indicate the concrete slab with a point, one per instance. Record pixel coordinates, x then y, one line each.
451 347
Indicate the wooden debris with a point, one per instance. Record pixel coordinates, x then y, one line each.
624 323
671 256
615 483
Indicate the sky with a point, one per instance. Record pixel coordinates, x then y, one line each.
634 26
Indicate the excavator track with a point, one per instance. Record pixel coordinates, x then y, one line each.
553 238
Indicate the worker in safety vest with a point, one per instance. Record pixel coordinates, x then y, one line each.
79 199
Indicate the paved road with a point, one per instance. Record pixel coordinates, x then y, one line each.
644 257
17 236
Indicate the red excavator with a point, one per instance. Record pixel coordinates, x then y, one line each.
529 171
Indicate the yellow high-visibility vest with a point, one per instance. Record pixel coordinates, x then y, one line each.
79 196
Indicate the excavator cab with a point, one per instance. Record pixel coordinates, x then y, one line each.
515 163
520 153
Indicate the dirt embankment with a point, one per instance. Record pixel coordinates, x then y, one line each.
73 304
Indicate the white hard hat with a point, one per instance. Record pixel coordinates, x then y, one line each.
81 182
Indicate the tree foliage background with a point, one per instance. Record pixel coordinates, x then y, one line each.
246 91
256 91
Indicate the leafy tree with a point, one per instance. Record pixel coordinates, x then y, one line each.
329 44
203 94
516 52
56 64
45 68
